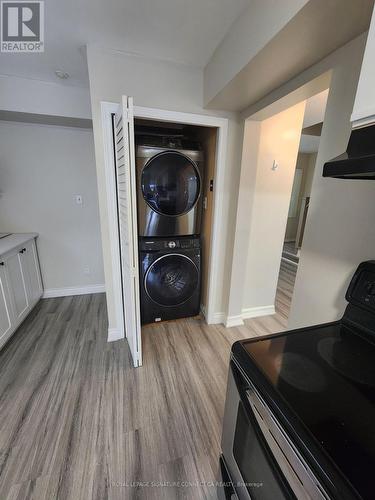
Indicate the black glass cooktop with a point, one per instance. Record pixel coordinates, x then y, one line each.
326 375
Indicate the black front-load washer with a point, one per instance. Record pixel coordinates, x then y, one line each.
170 278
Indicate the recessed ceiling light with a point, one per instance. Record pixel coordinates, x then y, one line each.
62 74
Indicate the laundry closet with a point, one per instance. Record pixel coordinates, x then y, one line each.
174 211
165 180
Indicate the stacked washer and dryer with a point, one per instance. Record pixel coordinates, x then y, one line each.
169 180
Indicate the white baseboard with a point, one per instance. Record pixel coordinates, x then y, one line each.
215 318
234 321
250 312
255 312
114 334
212 319
75 290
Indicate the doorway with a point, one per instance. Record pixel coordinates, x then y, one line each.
203 125
272 139
300 200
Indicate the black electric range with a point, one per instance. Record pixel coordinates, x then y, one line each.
318 386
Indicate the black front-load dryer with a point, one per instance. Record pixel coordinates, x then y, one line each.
170 278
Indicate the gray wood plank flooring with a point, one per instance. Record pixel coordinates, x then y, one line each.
78 422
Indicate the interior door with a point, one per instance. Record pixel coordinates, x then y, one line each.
127 214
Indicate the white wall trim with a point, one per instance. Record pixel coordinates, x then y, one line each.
234 321
363 118
250 312
255 312
179 117
221 149
217 318
74 290
114 334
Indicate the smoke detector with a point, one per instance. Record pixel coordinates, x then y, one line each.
62 74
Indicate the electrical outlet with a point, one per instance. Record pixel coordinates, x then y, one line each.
86 270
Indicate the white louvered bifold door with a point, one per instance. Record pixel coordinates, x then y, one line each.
127 213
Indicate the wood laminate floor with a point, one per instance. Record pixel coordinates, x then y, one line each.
78 422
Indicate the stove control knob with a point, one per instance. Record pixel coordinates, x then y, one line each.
172 244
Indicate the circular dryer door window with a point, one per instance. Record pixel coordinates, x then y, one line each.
171 280
171 183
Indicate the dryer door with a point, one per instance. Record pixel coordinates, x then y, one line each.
171 183
171 280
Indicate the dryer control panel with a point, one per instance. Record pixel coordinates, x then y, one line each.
165 244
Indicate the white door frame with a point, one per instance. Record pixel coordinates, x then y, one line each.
107 109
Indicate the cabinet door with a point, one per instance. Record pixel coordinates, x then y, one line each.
364 105
17 285
5 307
31 272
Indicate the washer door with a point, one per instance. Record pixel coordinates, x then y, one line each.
171 280
171 183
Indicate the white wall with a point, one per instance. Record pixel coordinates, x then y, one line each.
163 85
23 95
315 109
279 140
41 169
340 229
262 20
297 36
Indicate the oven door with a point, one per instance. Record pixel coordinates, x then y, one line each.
259 458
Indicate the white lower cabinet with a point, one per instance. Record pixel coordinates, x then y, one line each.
20 287
17 286
5 307
31 272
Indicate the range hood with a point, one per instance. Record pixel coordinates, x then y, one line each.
358 162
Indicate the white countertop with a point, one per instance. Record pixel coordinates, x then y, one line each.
14 240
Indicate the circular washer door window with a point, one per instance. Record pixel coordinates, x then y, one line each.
170 183
171 280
